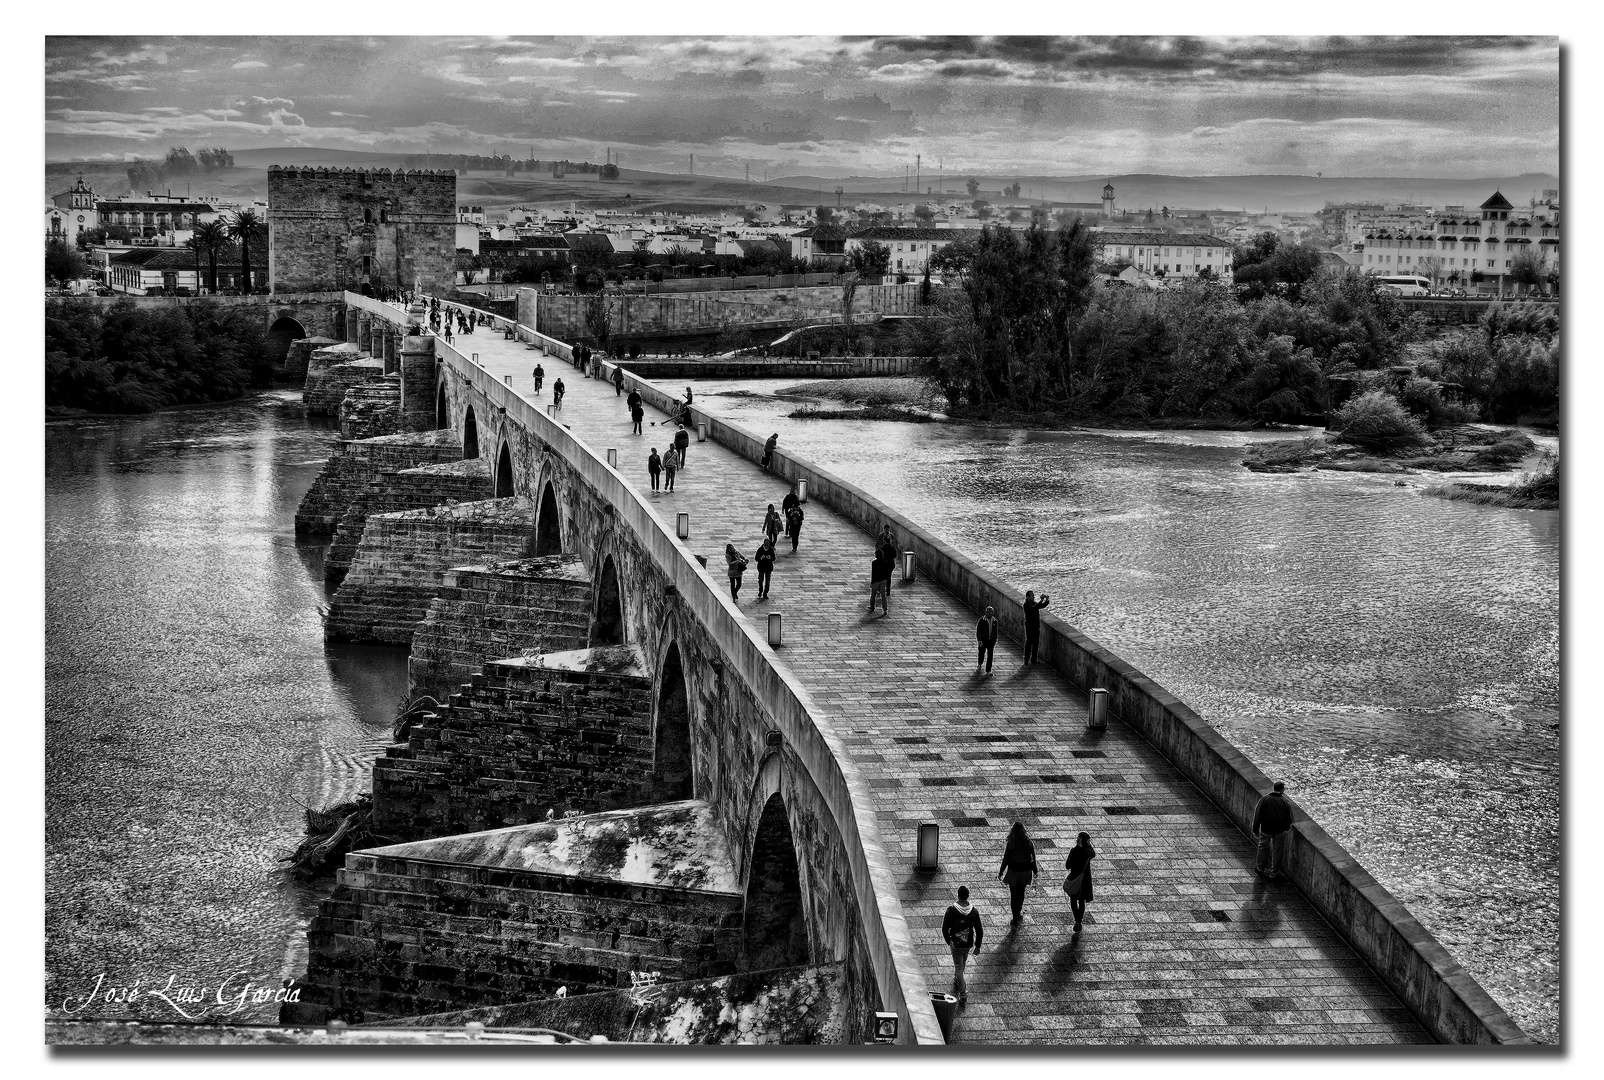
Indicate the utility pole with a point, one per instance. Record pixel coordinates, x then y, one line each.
918 181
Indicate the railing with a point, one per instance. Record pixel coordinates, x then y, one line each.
815 742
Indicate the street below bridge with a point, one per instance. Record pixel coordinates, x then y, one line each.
1183 943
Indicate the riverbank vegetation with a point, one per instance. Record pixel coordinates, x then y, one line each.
127 359
1537 490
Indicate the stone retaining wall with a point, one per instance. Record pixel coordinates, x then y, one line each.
324 391
397 568
520 740
355 464
563 316
371 409
467 480
483 613
299 357
747 368
1446 1000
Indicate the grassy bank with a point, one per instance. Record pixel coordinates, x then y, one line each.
1459 449
1537 490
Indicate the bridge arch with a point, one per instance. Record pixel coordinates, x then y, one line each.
470 435
607 620
279 335
672 773
442 413
774 930
504 473
548 523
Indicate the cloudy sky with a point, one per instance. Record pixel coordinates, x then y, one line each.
1438 107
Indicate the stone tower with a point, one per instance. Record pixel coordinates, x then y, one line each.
1108 200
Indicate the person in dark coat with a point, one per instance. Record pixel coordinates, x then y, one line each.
961 930
793 525
768 450
880 583
986 636
540 377
1018 868
682 443
789 501
654 466
1033 624
772 525
637 411
557 392
618 382
765 567
1079 864
736 563
1272 824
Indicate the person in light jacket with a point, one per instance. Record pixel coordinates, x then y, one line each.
1018 868
736 562
670 466
961 930
772 525
986 636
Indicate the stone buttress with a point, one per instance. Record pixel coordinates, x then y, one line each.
467 480
355 464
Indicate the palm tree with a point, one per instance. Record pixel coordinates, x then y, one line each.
211 237
246 227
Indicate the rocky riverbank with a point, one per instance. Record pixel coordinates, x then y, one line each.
1464 448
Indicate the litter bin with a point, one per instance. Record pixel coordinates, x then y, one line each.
1097 708
946 1007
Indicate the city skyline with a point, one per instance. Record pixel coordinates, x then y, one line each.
786 105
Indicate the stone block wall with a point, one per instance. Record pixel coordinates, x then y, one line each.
319 360
519 740
371 409
325 391
353 465
402 937
563 316
299 356
397 569
485 613
467 480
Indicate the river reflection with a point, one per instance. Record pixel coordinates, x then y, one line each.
1394 657
191 707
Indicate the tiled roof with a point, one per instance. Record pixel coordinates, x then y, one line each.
169 207
893 232
1149 239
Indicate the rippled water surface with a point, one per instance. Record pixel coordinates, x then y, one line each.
190 704
1394 657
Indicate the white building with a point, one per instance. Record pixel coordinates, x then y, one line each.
1183 255
1460 249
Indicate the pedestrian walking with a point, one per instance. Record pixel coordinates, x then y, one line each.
540 377
670 466
986 635
736 563
682 443
793 525
557 392
880 582
448 331
885 546
789 501
1272 824
768 450
637 412
771 524
618 382
654 466
1078 882
1018 868
765 567
962 932
1033 624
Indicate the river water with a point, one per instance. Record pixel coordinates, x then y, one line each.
1393 657
190 704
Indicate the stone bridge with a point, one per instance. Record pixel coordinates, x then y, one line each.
286 317
611 768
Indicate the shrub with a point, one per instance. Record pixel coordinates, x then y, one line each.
1424 398
1377 420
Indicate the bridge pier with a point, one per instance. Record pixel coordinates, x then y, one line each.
356 464
418 383
467 480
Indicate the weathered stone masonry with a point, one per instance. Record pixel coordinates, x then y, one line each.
405 489
355 464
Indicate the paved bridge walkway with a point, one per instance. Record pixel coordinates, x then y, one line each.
1183 943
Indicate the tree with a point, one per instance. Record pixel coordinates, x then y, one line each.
591 264
923 214
599 320
972 186
245 228
1015 214
982 208
211 237
180 162
1526 271
870 259
824 215
105 234
64 263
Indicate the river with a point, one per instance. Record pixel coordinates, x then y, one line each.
1393 657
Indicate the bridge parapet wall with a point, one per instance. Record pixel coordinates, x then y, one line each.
564 315
1447 1001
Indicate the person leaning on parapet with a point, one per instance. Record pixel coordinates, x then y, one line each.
961 930
682 443
1033 624
1272 824
986 636
654 466
768 450
670 466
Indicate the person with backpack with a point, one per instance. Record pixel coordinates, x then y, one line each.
682 443
880 582
540 377
986 635
793 525
1018 868
736 563
771 524
768 450
765 567
961 930
1078 882
557 392
670 466
1033 624
637 412
654 467
618 382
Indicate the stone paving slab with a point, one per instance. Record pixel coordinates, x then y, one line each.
1182 941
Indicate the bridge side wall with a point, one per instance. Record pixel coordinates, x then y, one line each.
563 315
1435 987
848 883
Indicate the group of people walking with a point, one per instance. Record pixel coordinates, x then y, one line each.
787 519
